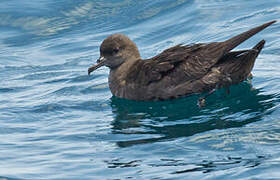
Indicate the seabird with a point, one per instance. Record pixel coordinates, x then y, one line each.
178 71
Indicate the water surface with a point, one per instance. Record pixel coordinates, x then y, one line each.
56 122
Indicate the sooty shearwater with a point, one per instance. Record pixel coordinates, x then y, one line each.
178 71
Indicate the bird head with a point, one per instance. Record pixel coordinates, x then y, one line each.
114 51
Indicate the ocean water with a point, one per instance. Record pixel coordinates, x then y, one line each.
56 122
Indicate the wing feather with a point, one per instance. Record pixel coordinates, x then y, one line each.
192 60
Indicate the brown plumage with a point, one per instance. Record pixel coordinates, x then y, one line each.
178 71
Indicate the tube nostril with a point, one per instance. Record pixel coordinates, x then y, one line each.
100 59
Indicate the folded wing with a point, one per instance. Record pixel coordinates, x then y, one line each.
192 61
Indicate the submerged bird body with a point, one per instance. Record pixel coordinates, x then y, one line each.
178 71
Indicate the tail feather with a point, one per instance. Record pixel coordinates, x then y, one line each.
236 40
259 46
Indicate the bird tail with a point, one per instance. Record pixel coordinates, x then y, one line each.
236 40
259 46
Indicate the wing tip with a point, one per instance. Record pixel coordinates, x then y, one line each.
236 40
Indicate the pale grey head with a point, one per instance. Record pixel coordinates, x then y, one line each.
116 50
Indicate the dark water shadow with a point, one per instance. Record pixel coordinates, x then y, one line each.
182 117
220 165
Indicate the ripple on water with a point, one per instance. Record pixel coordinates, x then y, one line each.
56 122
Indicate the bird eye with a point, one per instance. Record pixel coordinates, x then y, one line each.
115 51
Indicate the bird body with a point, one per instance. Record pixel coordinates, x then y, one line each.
178 71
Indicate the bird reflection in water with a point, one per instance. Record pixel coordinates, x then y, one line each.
150 122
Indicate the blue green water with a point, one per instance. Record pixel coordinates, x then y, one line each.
56 122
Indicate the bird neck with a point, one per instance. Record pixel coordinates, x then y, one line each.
120 72
117 77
